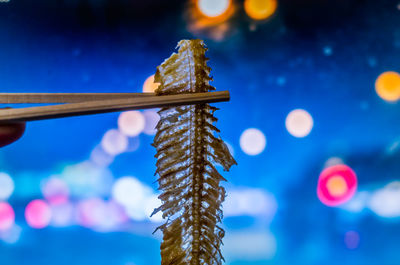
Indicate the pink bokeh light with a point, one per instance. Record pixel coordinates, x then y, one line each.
38 214
62 214
56 191
7 216
336 185
100 215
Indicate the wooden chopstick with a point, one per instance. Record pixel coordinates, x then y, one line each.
112 105
11 98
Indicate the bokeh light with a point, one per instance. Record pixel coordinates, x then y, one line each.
55 190
114 142
333 161
352 239
336 185
299 123
7 216
132 194
101 158
210 18
86 179
252 141
250 202
387 86
260 9
385 202
151 119
149 86
133 144
6 186
11 235
358 202
91 212
249 245
100 215
62 214
38 214
131 123
213 8
117 215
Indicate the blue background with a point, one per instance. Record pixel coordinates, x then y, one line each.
322 56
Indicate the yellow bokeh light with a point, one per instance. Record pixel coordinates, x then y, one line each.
149 86
260 9
336 186
387 86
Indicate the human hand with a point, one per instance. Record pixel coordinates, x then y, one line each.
9 133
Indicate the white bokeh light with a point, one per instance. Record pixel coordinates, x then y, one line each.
299 123
6 186
132 194
12 235
99 157
252 141
249 245
85 179
151 119
385 202
62 214
131 123
333 161
133 144
357 203
213 8
250 202
114 142
55 190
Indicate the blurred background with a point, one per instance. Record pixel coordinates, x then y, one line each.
313 122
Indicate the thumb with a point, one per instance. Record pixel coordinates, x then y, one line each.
10 132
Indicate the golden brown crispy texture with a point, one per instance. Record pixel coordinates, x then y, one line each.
186 151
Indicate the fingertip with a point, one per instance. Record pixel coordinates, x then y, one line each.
9 133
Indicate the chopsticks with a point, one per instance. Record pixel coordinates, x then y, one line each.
102 103
13 98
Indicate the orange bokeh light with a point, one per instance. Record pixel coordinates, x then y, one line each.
387 86
336 186
260 9
149 86
210 18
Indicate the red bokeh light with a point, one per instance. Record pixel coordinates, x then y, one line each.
336 185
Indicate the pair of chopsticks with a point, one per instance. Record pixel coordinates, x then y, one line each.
76 104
